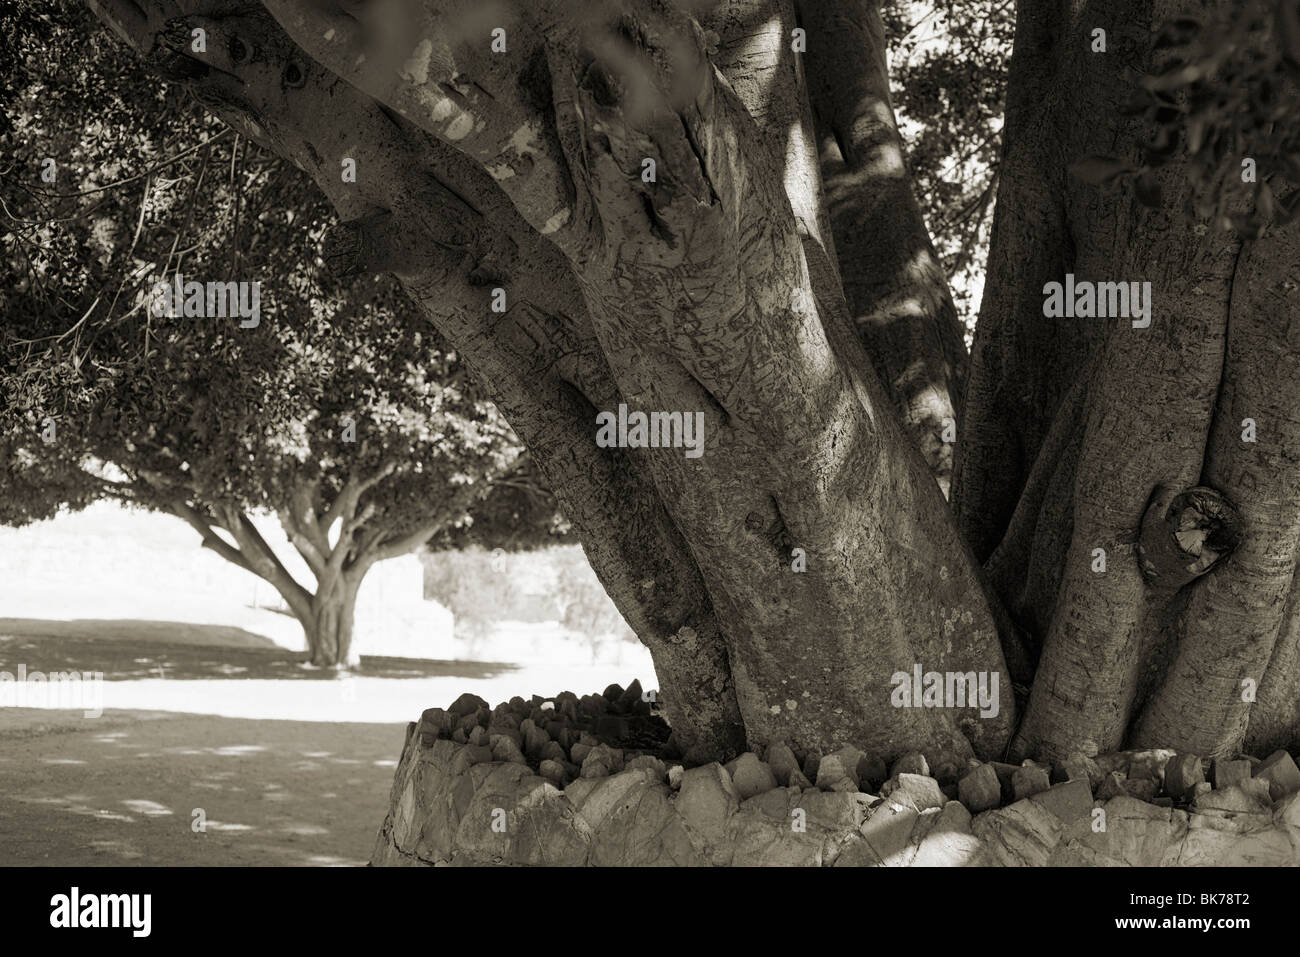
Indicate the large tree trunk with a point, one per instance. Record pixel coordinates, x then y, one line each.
648 194
702 300
712 287
1078 430
329 626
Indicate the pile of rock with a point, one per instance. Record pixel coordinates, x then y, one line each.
561 738
596 780
1159 777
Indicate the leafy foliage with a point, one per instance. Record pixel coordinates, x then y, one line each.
148 407
948 73
1226 93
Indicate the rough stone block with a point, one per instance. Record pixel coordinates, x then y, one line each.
888 831
782 762
834 809
505 749
1071 801
1075 767
1234 799
1029 780
750 775
918 790
1137 834
1227 773
913 762
1144 789
1280 771
467 704
948 841
1112 786
1182 773
650 763
980 790
1022 834
707 798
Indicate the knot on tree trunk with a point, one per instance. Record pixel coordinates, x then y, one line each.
1184 535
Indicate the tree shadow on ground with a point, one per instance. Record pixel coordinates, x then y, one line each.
141 788
125 650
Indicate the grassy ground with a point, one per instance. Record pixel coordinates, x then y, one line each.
131 790
209 709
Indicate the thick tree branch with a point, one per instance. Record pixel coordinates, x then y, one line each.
893 281
262 560
211 539
399 545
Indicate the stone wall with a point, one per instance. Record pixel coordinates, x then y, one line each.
479 787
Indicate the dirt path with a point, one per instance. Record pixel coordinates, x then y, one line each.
123 789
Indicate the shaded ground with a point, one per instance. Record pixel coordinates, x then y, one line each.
289 765
123 789
207 703
127 649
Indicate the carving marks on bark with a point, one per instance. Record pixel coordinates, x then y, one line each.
706 300
420 209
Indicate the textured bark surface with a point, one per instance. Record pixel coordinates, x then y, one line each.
688 216
711 286
1074 427
329 631
896 289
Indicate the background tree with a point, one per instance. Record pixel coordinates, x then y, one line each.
948 75
340 410
693 207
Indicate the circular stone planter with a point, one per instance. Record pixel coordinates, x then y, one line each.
528 783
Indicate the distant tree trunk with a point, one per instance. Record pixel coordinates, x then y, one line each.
329 627
327 613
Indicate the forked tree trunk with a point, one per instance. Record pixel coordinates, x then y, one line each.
1076 430
329 626
783 579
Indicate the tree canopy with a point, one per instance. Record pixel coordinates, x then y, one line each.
337 407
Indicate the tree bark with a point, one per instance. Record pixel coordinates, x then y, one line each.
329 625
1091 434
745 338
756 338
656 221
895 286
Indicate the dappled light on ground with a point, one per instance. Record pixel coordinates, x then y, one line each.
280 763
95 646
266 792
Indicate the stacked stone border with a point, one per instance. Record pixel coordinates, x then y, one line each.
528 783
